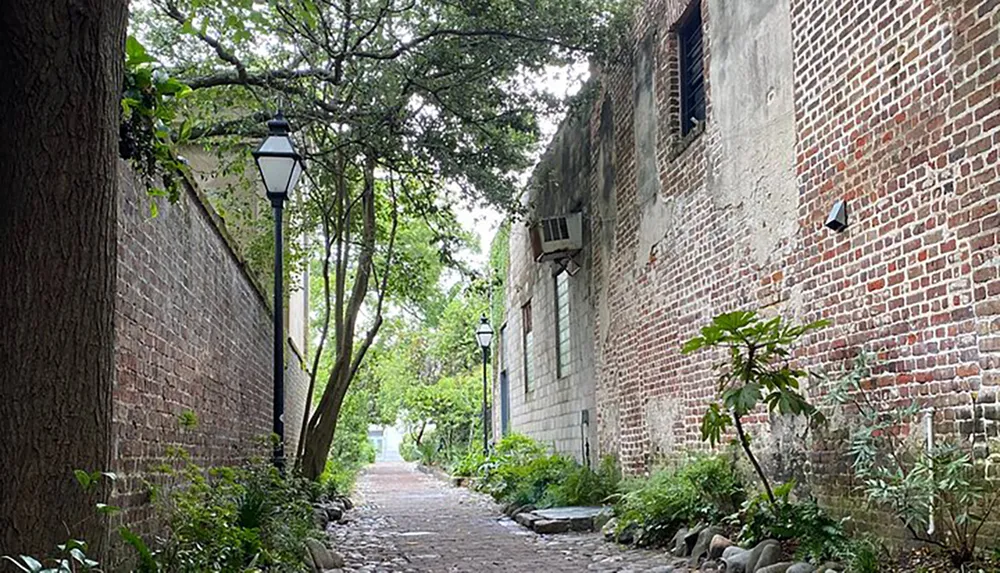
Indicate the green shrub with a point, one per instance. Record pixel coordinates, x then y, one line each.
529 484
701 489
468 465
427 452
899 475
861 556
408 449
584 486
521 472
338 478
817 535
232 519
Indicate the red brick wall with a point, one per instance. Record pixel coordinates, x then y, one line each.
897 111
894 107
193 333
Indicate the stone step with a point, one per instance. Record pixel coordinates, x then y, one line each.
564 519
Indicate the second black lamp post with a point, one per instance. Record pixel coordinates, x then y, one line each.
484 336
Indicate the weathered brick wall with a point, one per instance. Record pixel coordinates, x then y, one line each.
690 226
893 107
551 408
296 391
898 111
193 333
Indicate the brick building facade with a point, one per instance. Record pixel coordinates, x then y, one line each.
193 332
892 107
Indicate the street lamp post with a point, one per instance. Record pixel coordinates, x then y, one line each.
484 335
280 167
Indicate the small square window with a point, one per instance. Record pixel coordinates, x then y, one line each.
692 68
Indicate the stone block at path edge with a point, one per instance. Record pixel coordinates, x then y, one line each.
735 559
767 552
775 568
551 526
717 546
702 544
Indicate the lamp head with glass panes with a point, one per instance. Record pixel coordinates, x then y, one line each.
279 163
484 333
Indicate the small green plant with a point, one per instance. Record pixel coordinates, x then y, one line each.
585 486
861 556
818 536
188 419
70 558
899 475
757 370
697 489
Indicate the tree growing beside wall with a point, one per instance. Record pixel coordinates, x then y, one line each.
62 63
756 370
396 101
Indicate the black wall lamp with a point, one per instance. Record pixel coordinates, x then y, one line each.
837 219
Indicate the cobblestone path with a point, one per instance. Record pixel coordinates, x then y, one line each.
406 521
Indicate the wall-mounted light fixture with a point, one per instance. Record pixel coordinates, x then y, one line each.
569 265
837 219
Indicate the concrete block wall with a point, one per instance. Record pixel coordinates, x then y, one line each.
551 409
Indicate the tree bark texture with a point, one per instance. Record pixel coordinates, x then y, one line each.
62 68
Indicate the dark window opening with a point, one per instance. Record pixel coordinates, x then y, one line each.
692 69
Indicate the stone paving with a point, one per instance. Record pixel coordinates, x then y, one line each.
407 521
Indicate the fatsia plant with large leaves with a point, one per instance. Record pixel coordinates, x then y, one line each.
757 369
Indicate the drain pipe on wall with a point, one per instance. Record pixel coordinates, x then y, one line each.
929 431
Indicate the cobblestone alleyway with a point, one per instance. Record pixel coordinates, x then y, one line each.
408 521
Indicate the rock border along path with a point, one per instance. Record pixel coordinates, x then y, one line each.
407 521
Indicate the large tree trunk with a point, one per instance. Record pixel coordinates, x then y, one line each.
62 67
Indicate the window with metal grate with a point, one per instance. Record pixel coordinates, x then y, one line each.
692 69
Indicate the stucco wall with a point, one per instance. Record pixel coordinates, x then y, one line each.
689 225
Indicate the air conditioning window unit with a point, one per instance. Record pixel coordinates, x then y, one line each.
558 237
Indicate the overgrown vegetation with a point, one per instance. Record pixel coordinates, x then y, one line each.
232 518
146 138
814 533
246 518
698 489
520 472
898 474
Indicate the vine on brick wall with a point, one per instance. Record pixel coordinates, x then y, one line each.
499 261
149 107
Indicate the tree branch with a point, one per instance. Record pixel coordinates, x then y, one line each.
170 9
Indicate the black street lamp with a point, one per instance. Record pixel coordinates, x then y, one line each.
280 167
484 335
